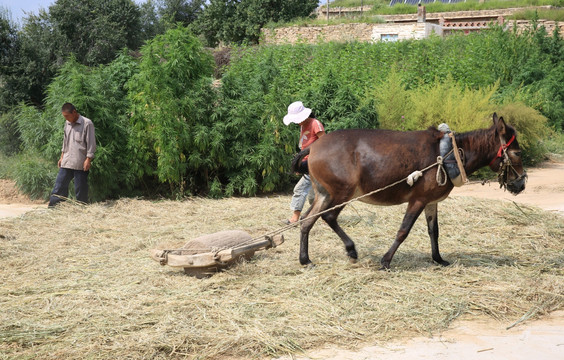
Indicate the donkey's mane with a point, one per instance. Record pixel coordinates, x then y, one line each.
479 133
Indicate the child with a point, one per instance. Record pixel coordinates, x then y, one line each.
310 130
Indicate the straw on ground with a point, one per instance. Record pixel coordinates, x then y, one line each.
78 282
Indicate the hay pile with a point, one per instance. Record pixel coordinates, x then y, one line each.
79 283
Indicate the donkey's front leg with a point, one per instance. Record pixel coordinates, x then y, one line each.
433 228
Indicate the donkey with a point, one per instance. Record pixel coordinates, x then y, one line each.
346 164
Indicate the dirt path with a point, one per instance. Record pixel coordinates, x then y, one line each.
466 340
13 203
545 189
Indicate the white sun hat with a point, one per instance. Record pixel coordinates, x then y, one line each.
297 113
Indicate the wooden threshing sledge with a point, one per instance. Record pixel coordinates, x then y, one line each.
207 254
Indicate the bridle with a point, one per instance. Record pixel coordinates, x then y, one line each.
505 166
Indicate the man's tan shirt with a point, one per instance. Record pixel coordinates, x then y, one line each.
79 143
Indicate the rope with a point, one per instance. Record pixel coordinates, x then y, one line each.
441 170
441 178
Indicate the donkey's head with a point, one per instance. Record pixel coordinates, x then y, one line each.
507 161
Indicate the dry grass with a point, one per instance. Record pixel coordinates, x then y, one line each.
78 282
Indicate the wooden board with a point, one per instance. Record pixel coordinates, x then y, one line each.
209 253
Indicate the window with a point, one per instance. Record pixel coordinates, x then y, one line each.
389 37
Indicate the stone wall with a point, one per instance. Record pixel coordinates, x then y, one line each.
314 34
349 32
376 32
549 25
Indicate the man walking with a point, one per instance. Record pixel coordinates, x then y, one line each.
79 146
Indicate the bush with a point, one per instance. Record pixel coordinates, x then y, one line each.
37 129
256 144
10 141
554 145
98 94
35 177
462 108
394 103
257 89
7 166
172 101
443 101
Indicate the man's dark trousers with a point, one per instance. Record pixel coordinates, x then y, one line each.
62 185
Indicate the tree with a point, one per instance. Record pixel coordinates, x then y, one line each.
91 30
8 55
212 23
151 25
34 60
95 31
237 21
180 11
8 40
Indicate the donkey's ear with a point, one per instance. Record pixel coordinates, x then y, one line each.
499 125
495 118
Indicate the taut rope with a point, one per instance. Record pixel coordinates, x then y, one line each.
441 181
441 173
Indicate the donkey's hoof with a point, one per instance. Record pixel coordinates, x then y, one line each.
385 265
352 260
309 266
442 262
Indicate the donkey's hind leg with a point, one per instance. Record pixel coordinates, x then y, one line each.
413 211
331 220
431 215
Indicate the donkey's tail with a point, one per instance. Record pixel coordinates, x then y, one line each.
297 161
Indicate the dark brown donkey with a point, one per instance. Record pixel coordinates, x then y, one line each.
346 164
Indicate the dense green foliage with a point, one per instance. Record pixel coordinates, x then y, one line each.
9 134
163 127
8 49
238 21
441 101
171 102
184 12
34 176
257 88
29 62
94 31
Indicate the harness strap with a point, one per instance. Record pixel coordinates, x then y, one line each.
458 159
502 147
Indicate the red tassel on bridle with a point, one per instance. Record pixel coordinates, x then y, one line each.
502 148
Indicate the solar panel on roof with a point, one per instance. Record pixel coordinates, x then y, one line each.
415 2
